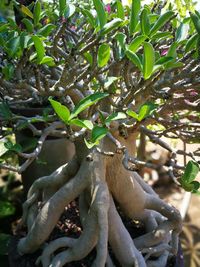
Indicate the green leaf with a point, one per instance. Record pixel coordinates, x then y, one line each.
120 10
13 147
4 244
161 22
136 42
196 21
162 35
62 6
144 22
146 110
110 80
13 44
88 57
134 58
26 11
149 60
39 46
69 10
121 38
89 17
61 110
172 50
196 186
28 144
98 133
82 123
6 209
8 72
173 65
87 102
103 55
5 112
191 43
28 24
49 61
115 116
46 30
191 171
90 144
101 13
163 60
113 24
181 33
132 114
37 12
3 149
134 18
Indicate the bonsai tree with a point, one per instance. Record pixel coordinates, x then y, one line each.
111 73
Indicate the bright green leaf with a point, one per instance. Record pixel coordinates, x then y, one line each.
191 43
98 133
162 20
46 30
181 33
191 171
136 42
113 24
115 116
162 35
120 10
134 58
89 17
39 46
196 21
82 123
61 110
144 22
37 12
149 60
87 102
28 24
146 110
103 55
134 18
62 6
101 13
163 60
49 61
132 114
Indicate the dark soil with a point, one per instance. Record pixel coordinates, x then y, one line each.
69 225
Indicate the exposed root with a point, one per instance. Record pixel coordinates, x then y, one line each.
51 211
121 241
44 187
97 180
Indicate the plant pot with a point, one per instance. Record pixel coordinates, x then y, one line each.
55 151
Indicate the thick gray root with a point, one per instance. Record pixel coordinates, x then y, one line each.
44 187
77 248
173 223
121 241
51 211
